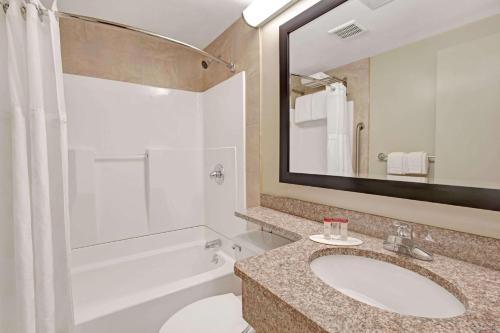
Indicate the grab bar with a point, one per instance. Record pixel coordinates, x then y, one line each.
359 127
123 157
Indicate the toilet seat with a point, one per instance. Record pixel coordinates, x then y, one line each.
217 314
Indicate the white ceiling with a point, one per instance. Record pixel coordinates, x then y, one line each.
197 22
396 24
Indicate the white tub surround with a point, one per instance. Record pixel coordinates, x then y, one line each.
143 204
151 150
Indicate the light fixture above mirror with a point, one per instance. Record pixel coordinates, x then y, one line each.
261 11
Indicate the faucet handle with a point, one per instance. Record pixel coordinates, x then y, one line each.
404 230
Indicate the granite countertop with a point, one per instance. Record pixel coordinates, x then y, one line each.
284 273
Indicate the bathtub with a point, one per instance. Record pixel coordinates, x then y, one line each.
135 285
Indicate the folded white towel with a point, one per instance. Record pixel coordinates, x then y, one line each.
417 163
318 105
413 179
303 106
396 163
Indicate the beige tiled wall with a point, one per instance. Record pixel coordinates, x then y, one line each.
95 50
241 44
104 52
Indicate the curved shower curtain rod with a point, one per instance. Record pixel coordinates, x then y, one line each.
229 65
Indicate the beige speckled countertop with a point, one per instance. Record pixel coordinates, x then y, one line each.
289 292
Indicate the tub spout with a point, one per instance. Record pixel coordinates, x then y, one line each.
213 244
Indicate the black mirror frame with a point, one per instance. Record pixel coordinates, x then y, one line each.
474 197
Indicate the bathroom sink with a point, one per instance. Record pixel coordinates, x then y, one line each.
386 286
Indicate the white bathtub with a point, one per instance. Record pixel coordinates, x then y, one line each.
135 285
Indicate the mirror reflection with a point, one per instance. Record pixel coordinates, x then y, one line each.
404 90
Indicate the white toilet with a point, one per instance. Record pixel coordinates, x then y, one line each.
217 314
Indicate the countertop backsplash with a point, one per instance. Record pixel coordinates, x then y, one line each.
479 250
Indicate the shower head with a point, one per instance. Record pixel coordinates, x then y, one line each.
206 63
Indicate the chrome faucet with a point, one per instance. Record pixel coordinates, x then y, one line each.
402 242
213 244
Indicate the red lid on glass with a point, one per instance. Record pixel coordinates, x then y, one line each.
335 219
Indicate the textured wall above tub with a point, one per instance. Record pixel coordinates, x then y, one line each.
104 52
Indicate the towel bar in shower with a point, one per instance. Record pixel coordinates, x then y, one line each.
383 157
124 157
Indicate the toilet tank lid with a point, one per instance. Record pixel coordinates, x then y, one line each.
217 314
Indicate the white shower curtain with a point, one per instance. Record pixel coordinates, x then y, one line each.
339 131
35 294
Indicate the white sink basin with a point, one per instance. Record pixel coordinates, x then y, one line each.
386 286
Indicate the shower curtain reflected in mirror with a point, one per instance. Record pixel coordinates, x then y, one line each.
35 293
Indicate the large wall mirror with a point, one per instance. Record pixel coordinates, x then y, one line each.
394 97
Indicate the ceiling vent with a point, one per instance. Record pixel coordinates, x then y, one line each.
347 30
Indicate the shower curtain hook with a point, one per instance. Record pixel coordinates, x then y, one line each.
40 11
23 11
5 6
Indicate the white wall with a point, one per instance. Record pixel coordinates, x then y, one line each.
468 113
404 93
114 199
396 124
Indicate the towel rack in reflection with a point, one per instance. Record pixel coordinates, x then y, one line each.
129 157
300 92
384 156
324 82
